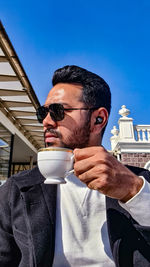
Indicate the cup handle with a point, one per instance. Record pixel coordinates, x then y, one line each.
71 171
72 158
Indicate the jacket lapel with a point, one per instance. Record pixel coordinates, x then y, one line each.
122 234
118 223
50 192
39 208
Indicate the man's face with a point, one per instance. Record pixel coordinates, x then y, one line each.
74 130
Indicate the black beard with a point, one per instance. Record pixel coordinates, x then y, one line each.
79 137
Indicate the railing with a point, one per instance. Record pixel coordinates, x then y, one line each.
142 133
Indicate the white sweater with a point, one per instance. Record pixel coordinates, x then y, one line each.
81 230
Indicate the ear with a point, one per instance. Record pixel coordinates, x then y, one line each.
96 128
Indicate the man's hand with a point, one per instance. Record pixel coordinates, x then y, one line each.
101 171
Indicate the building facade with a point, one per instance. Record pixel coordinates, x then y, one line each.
131 143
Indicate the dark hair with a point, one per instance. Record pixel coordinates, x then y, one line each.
96 92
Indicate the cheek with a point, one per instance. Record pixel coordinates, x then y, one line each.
71 124
67 131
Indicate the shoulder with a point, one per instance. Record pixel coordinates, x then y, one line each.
5 190
19 181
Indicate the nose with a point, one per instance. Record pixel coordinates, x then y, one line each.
48 122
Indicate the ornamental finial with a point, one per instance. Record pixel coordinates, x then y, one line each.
124 112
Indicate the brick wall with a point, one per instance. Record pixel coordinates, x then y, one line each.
135 159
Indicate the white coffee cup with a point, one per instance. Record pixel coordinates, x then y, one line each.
55 163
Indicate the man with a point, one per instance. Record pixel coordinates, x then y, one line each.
47 225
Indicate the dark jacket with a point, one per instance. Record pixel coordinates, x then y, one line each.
27 225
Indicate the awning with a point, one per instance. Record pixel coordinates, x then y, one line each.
18 101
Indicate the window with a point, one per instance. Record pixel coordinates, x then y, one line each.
5 141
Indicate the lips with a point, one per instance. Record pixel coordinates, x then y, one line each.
50 137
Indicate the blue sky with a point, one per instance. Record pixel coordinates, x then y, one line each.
109 37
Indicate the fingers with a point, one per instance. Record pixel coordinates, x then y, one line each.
87 152
99 179
82 166
101 171
100 159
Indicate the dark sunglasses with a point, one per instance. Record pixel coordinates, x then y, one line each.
57 112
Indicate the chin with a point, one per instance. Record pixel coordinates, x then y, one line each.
49 144
53 144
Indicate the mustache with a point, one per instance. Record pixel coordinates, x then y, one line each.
52 131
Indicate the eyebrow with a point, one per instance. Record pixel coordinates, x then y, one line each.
66 104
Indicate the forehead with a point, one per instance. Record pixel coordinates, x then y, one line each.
65 92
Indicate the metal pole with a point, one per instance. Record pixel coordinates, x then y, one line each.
31 162
11 153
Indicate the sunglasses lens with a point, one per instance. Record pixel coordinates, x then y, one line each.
41 113
56 112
